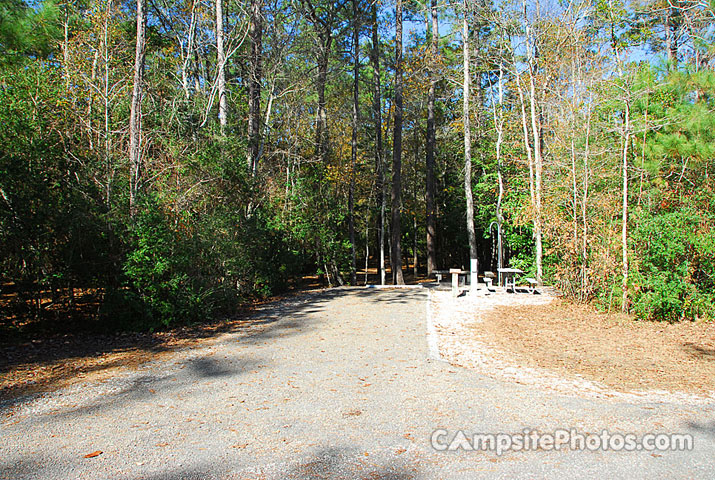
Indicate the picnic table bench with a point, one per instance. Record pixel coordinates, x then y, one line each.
489 278
532 284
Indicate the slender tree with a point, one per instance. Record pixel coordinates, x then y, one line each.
466 87
254 85
221 74
626 132
135 120
430 146
379 162
354 139
395 228
324 20
536 132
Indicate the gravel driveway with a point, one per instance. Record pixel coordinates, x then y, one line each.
336 384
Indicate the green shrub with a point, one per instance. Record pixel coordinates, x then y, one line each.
674 256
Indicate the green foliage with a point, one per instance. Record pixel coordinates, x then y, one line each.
51 232
156 269
674 279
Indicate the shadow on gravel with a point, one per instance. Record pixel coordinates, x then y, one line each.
707 428
700 352
155 388
297 316
25 468
48 362
335 463
193 474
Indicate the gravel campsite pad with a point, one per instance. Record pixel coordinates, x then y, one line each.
343 383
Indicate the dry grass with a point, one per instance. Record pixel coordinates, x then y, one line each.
615 350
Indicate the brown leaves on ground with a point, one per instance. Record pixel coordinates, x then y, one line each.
615 350
93 454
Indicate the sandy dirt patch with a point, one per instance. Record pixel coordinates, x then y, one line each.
611 349
547 342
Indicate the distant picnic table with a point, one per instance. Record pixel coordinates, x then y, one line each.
507 278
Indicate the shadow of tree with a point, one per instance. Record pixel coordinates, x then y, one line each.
23 468
700 352
707 428
65 357
334 463
148 387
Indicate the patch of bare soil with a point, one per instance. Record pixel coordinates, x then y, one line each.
614 350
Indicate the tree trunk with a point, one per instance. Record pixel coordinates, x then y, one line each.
584 204
189 50
395 228
105 94
527 142
66 47
254 86
474 267
624 160
624 211
353 144
222 106
379 164
499 125
671 42
367 250
430 148
322 119
538 161
90 97
574 184
135 127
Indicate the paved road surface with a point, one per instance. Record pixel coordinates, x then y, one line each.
337 384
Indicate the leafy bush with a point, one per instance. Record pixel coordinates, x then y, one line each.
160 290
675 254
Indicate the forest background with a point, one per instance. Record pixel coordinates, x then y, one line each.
164 161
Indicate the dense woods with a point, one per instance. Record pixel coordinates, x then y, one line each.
171 159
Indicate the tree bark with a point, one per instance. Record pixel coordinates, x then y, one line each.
499 125
430 148
624 160
584 204
135 127
538 161
107 117
468 145
525 131
624 212
395 227
353 143
254 86
189 51
379 164
222 104
321 138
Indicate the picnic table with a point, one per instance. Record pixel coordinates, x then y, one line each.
456 274
508 277
463 274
